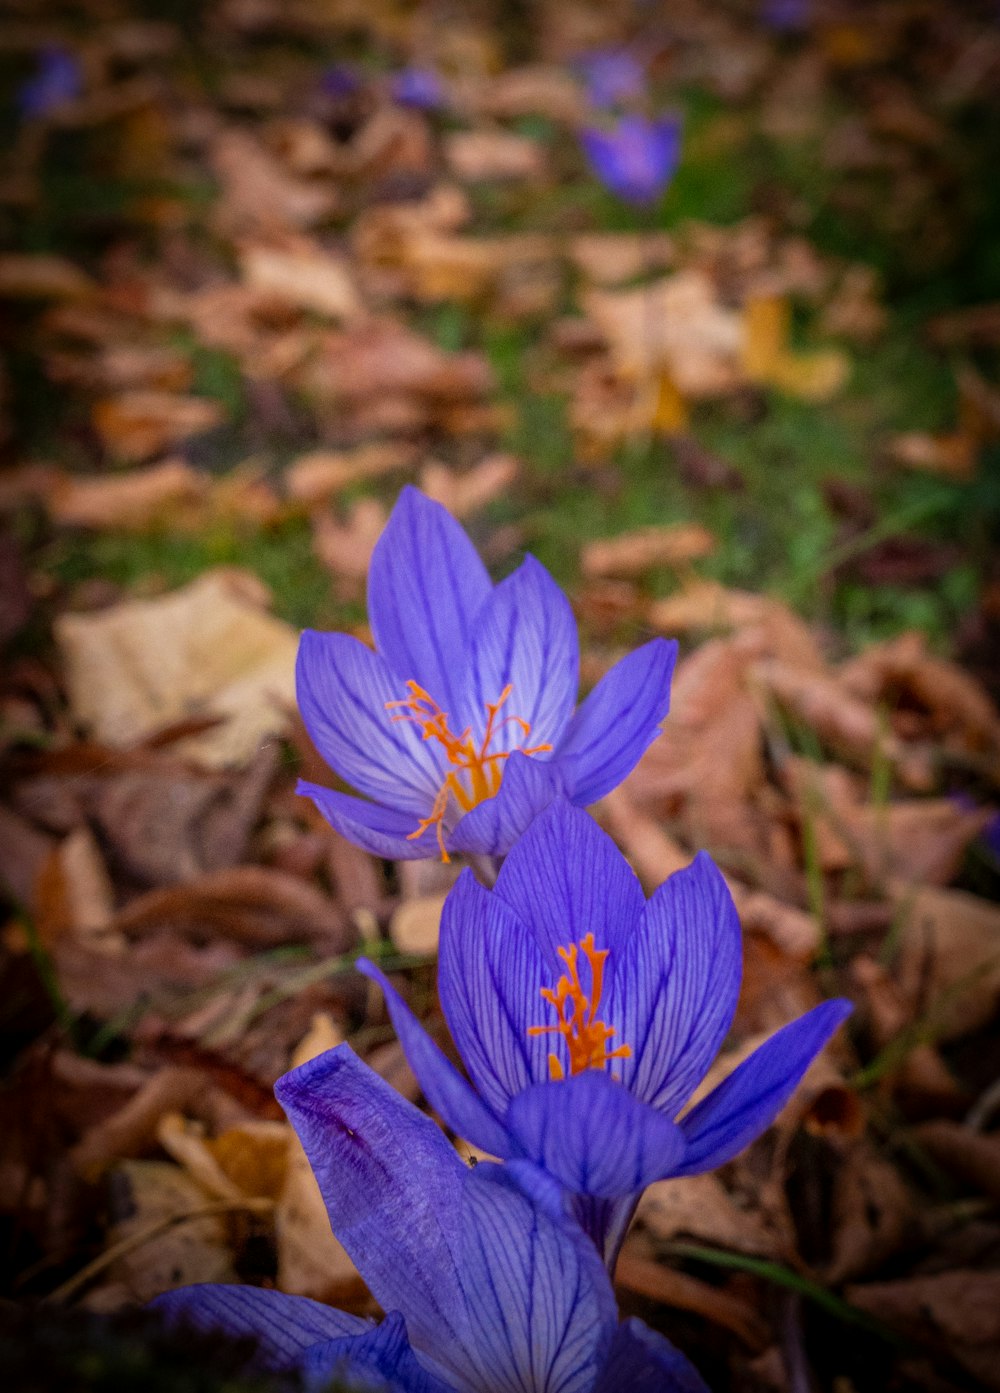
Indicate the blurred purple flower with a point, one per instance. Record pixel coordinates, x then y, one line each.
488 1285
612 75
339 81
563 970
461 726
418 87
636 159
785 16
59 80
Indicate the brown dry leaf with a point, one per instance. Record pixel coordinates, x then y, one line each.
464 494
607 409
132 1129
871 1213
345 549
849 726
676 325
706 606
301 273
316 476
959 1311
949 957
486 155
416 924
209 648
256 905
74 895
195 1250
259 195
40 277
677 1290
953 456
609 258
131 502
652 851
137 424
700 1207
536 89
957 707
972 1157
633 553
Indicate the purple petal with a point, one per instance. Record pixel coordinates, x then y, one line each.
751 1097
443 1086
593 1136
380 1361
525 637
618 720
643 1361
529 784
490 976
541 1309
284 1326
605 1222
426 584
392 1187
382 831
342 688
565 878
674 989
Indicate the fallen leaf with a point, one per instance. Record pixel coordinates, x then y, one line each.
700 1207
25 276
489 155
137 424
464 494
209 648
633 553
949 957
301 273
318 475
416 924
131 502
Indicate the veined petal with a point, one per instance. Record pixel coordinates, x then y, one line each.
342 688
382 831
565 878
617 721
525 638
674 988
530 782
426 584
593 1136
381 1360
540 1306
643 1361
284 1326
442 1084
392 1187
490 976
754 1093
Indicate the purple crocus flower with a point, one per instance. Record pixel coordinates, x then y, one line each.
612 75
339 82
489 1286
460 727
636 158
59 80
586 1018
785 16
418 87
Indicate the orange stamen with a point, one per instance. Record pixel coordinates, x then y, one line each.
586 1037
477 773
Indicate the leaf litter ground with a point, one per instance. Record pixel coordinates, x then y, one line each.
241 307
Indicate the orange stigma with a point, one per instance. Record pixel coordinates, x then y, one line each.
476 774
586 1037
